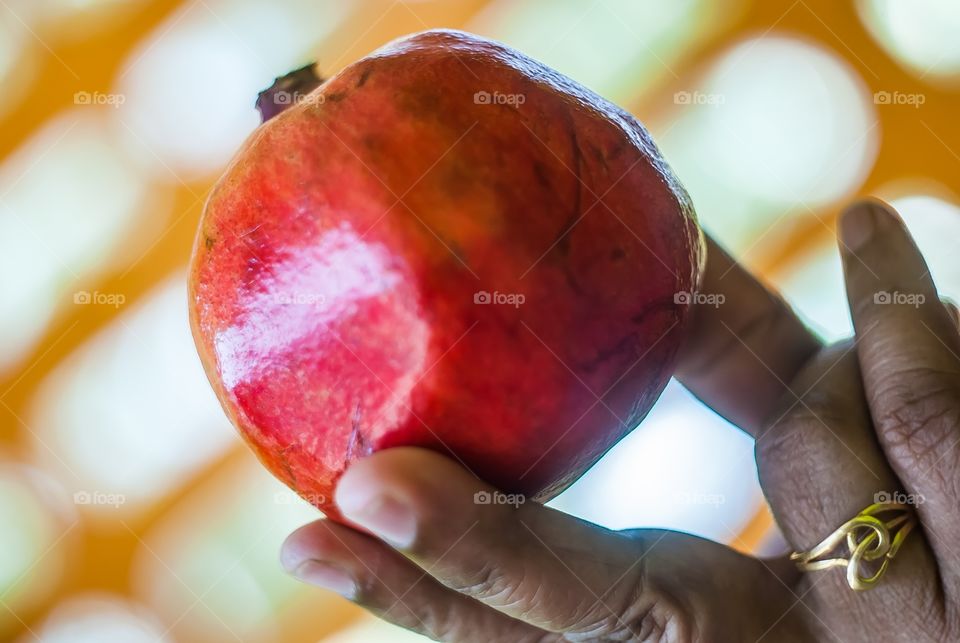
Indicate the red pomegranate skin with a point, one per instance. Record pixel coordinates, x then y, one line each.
335 276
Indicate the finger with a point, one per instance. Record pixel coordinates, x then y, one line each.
382 581
538 565
908 350
820 465
494 552
740 353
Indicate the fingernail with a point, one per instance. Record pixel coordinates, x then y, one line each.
363 502
857 225
326 576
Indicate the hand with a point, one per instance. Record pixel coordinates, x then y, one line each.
834 426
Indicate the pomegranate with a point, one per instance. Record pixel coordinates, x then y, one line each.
446 245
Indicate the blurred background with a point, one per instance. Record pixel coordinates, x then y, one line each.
130 511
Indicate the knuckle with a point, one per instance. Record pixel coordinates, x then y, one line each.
778 445
790 450
485 580
800 433
441 624
654 623
637 608
438 620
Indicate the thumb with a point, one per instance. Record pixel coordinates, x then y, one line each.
548 569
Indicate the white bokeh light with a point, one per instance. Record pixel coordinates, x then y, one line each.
190 87
69 200
34 517
683 468
99 618
370 629
17 66
935 225
920 34
618 48
222 545
130 413
775 127
813 282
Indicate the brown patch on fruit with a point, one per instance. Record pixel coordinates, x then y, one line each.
562 242
543 176
420 101
563 238
599 156
364 77
622 349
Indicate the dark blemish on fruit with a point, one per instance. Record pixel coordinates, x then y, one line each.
419 100
599 156
457 252
563 241
457 178
617 254
337 97
615 150
542 175
364 76
578 170
208 241
624 347
572 282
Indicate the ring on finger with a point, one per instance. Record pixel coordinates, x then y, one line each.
874 534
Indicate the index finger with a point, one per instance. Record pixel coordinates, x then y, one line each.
909 354
740 354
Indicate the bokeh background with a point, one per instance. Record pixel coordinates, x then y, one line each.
130 511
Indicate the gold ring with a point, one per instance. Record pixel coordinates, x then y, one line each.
868 539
